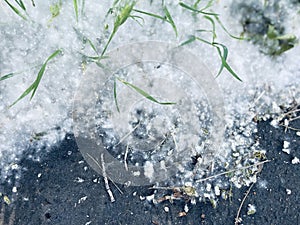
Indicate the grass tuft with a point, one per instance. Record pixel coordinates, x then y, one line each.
122 16
55 10
223 56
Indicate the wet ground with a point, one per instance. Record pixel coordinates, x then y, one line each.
62 189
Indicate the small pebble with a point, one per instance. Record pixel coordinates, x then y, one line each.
251 209
14 190
186 208
208 187
286 144
286 150
14 166
217 191
150 197
166 209
295 160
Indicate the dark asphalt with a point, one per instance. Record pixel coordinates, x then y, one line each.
52 198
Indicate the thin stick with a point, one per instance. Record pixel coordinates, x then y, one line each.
109 192
125 158
163 188
207 178
175 142
95 161
295 118
127 135
230 171
259 97
287 127
241 205
292 111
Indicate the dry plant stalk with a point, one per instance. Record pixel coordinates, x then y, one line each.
109 192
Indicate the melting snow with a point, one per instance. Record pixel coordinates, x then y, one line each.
44 121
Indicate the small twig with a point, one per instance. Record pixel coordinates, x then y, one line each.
230 171
287 127
295 118
241 205
109 192
290 112
259 97
163 188
125 158
127 135
174 139
95 161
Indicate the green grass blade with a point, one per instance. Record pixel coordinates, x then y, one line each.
75 3
222 56
226 31
16 10
124 14
92 58
190 40
135 18
85 39
21 4
196 4
213 27
222 64
107 43
33 87
80 35
42 71
208 5
170 19
231 71
203 40
188 7
25 93
38 79
145 94
287 37
150 14
82 7
191 8
115 95
224 60
7 76
92 46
